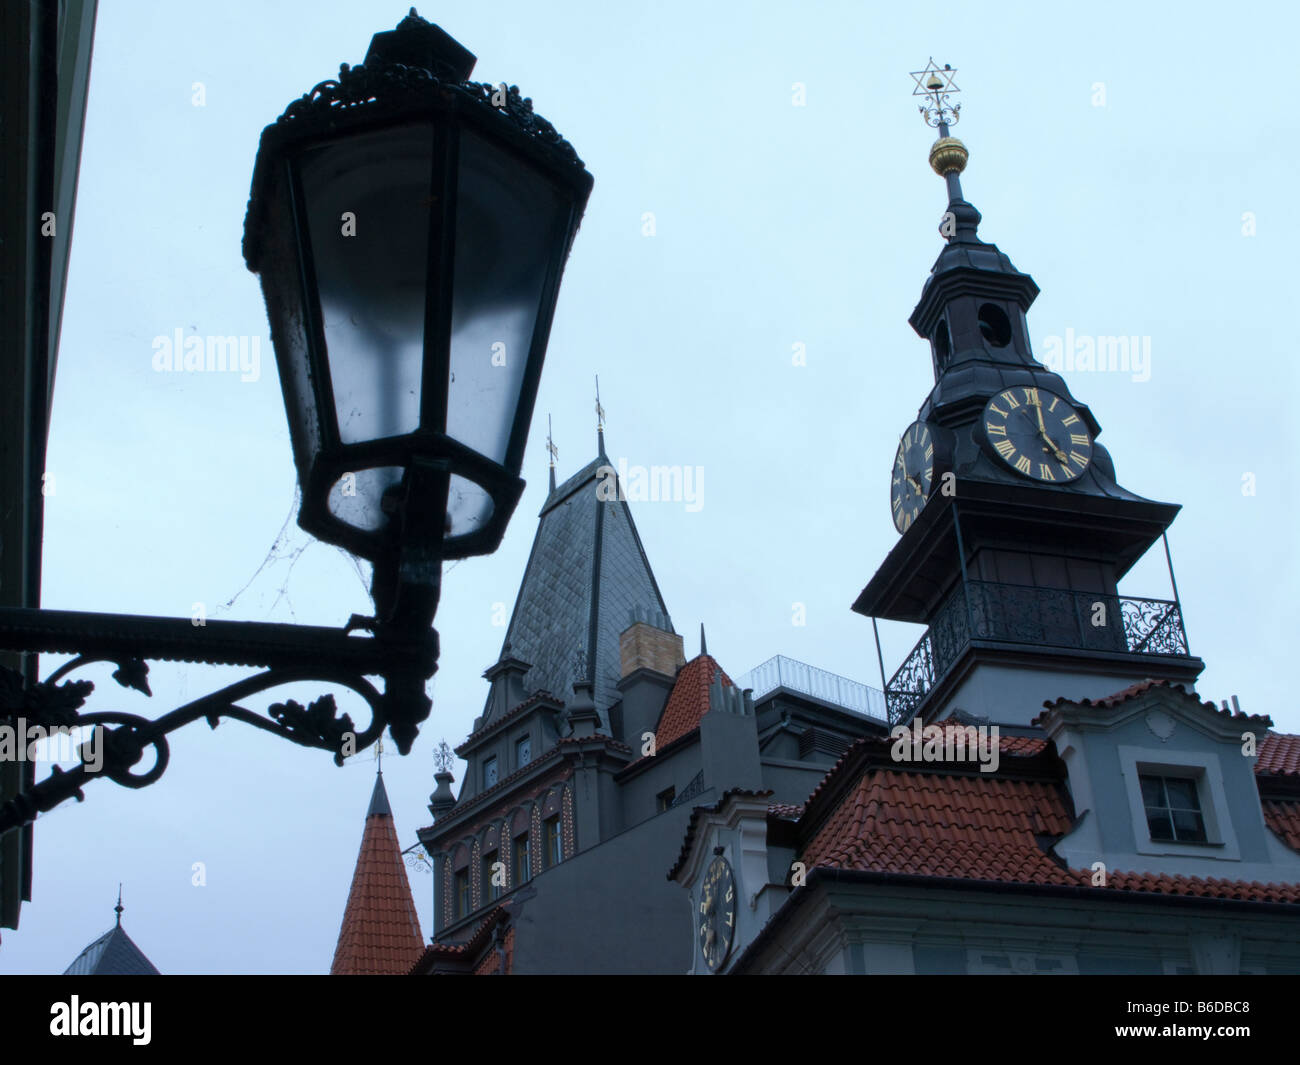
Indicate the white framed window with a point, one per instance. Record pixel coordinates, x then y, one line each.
1173 807
1177 803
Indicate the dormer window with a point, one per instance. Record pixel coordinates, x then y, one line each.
1173 808
523 751
490 772
1177 802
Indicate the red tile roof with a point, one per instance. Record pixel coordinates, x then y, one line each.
1284 819
1121 696
920 821
380 935
934 824
492 964
1279 755
1134 690
689 699
1204 887
1021 746
1008 747
474 951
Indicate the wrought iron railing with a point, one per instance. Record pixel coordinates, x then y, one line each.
1044 617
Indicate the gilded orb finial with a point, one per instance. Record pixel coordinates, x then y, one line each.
948 155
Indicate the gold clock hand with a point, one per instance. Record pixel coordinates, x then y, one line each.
1060 455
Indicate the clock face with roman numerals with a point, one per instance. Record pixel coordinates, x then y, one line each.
1038 434
717 915
913 475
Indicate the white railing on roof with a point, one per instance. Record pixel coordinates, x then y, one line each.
782 672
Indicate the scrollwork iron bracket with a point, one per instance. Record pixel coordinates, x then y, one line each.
283 654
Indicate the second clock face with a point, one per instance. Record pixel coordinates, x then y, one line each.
913 475
1038 434
717 912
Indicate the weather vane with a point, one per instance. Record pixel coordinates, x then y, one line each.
600 411
442 757
550 444
936 85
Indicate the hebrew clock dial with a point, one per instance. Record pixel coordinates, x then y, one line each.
717 916
1038 434
913 475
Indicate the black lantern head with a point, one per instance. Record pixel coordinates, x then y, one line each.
410 228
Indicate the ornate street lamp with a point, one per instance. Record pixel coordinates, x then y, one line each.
410 229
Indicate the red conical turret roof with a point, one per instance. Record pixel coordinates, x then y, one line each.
381 933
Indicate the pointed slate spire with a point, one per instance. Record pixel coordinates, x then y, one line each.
704 644
112 954
380 934
586 575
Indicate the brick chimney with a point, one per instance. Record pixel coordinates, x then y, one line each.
650 654
650 643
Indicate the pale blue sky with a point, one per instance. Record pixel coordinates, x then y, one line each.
775 225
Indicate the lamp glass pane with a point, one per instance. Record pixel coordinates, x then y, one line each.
367 199
468 506
355 497
505 228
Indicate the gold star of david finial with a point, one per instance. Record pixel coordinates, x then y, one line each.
936 84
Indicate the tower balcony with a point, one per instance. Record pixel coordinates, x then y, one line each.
1010 616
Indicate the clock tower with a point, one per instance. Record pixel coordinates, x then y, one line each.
1014 529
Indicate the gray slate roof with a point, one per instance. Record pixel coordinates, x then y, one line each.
379 799
112 954
585 577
